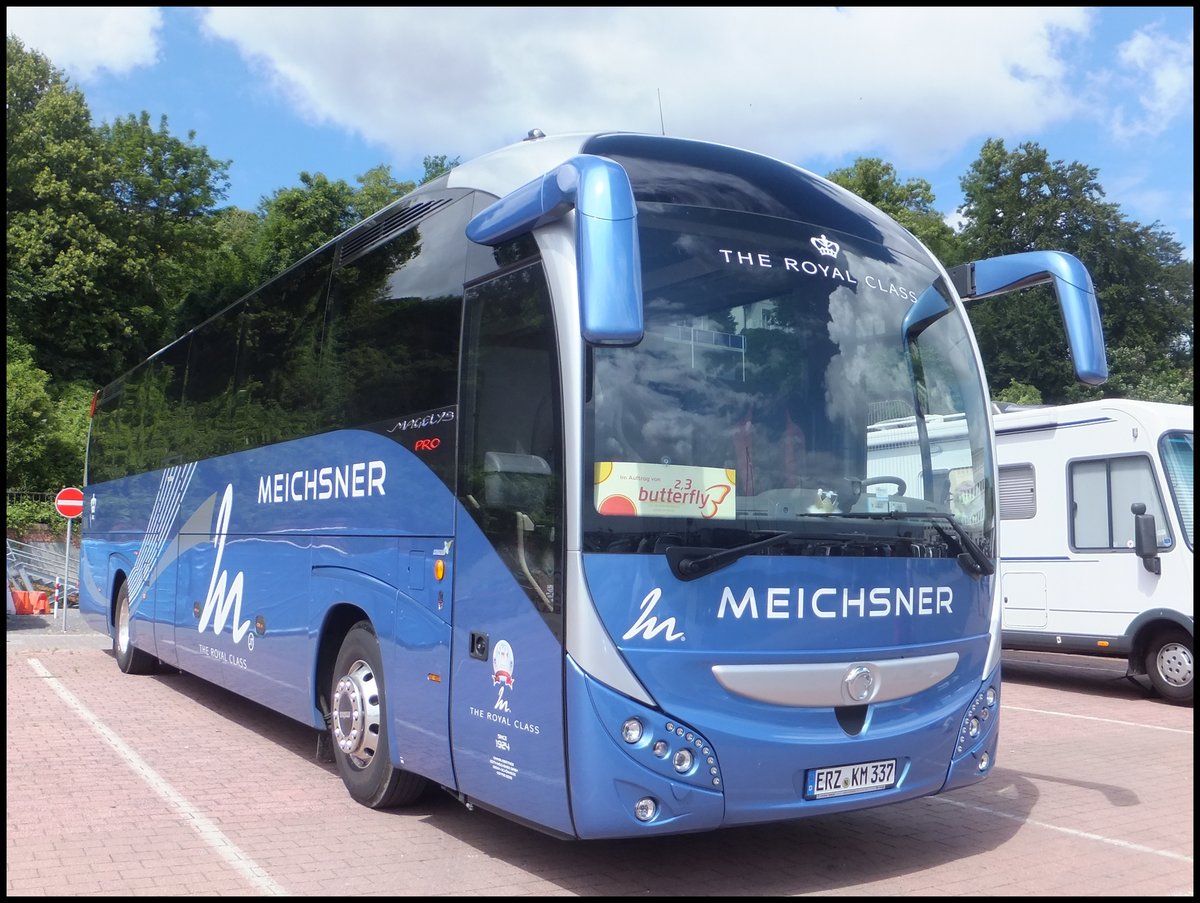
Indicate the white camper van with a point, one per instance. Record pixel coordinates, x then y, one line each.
1096 534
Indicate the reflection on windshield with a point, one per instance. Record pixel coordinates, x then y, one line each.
777 381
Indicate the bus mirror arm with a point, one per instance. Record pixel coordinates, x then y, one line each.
1072 286
1145 538
608 254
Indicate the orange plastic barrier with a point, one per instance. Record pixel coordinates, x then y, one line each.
31 603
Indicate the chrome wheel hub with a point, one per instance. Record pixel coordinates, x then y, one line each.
356 715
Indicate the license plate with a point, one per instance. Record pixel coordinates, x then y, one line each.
840 780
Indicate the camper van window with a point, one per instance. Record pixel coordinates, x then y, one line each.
1102 492
1177 455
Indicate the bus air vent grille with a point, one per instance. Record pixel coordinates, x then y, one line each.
385 226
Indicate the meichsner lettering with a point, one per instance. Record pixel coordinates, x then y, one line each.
347 481
837 602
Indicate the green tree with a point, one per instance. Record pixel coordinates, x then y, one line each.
57 251
909 203
105 225
1021 201
298 220
166 191
376 190
230 269
1019 393
46 424
436 165
27 415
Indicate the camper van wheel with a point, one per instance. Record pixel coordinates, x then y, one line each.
1170 664
129 658
359 726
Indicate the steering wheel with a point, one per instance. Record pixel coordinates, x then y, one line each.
901 486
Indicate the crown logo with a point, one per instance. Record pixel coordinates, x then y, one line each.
826 247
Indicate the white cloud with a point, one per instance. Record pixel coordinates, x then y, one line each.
82 40
911 84
1156 73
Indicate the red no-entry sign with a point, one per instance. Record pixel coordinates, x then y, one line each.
69 502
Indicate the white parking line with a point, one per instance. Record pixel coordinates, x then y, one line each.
1138 725
1123 844
209 832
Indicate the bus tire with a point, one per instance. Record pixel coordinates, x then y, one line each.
130 659
1170 664
358 715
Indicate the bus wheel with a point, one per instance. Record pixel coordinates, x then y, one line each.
359 730
130 659
1170 663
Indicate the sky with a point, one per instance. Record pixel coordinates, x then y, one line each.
339 90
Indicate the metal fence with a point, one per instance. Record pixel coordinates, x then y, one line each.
37 565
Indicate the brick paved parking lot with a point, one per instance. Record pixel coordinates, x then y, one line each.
165 785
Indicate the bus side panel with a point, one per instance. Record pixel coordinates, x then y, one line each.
506 708
417 665
241 616
414 639
96 569
102 557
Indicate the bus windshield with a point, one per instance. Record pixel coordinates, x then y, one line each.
782 386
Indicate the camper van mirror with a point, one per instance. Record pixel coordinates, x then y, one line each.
1145 538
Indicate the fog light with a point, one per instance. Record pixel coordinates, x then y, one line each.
683 761
973 727
631 730
661 748
645 809
984 761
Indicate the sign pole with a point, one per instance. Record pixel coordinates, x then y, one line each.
66 571
68 503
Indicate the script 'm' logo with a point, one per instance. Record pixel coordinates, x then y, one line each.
224 594
648 625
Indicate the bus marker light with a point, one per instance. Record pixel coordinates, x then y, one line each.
439 569
683 761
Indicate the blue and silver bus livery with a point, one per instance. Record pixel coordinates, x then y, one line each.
550 485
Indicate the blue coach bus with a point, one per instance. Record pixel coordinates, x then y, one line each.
547 485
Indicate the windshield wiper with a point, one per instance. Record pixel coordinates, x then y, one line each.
688 565
973 560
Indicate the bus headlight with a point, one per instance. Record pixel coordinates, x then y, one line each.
631 730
